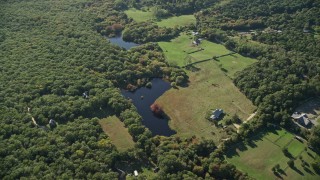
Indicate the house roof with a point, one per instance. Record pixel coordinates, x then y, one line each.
52 121
304 121
297 115
216 113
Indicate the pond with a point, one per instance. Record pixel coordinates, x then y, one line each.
158 126
120 42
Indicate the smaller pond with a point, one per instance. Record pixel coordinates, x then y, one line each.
158 126
120 42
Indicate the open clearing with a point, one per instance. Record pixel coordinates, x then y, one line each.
139 15
181 47
174 21
176 50
180 51
118 134
234 63
264 151
210 49
209 88
171 22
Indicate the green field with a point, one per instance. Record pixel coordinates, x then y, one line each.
296 147
174 21
180 51
146 15
177 49
234 63
139 15
262 153
210 49
181 47
118 134
284 140
300 172
209 88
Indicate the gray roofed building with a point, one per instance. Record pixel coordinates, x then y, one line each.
216 114
302 119
52 123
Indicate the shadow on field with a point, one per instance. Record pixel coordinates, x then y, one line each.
243 146
233 151
297 170
192 68
278 175
281 171
308 170
252 144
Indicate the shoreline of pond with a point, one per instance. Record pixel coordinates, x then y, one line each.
157 125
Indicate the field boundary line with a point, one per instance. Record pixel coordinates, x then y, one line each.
204 60
272 141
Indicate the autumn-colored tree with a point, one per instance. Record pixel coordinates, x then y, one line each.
156 109
117 28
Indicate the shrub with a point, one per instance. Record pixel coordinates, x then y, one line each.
149 85
290 163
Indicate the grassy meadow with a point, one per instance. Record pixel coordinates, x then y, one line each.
209 88
139 15
170 22
210 49
234 63
118 134
264 151
176 50
180 51
174 21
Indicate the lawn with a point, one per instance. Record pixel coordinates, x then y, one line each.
284 140
234 63
295 148
259 159
180 49
174 21
118 134
177 49
275 135
262 153
139 15
209 88
210 49
303 173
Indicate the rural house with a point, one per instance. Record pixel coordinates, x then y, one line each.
216 114
302 119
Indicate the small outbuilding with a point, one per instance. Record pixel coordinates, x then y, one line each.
135 172
85 95
52 123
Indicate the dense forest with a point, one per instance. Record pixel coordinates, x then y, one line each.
56 63
51 54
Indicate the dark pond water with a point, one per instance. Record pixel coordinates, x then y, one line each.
120 42
158 126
